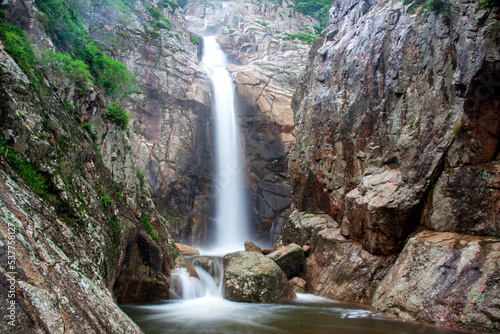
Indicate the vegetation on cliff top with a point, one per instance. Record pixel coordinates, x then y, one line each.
318 9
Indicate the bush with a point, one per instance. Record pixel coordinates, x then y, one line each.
118 115
62 22
30 175
168 3
17 45
315 8
308 38
110 74
105 200
195 39
147 225
74 68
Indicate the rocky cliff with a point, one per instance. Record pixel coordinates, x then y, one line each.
396 149
170 111
79 231
267 42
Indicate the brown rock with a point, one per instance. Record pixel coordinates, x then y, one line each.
251 247
306 249
336 268
266 251
446 279
298 285
187 250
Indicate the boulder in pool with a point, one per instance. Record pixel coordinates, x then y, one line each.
251 277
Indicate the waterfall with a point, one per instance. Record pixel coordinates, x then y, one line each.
230 211
206 283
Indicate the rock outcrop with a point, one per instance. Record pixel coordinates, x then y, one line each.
268 60
252 277
396 153
335 268
445 278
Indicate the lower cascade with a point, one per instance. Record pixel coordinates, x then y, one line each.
203 284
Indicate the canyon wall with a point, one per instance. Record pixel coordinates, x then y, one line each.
396 160
79 229
263 43
170 111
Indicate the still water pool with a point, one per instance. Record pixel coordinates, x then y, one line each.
306 314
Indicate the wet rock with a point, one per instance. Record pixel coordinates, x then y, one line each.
187 250
252 277
446 279
251 247
289 258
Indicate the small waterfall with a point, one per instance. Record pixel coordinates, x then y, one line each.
230 212
204 284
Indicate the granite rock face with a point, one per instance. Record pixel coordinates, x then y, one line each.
396 153
335 267
266 65
80 241
446 279
170 112
390 100
252 277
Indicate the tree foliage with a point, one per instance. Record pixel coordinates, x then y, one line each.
315 8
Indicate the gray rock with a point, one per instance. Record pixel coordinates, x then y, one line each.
289 258
252 277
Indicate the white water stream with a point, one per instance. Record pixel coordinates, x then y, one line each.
230 211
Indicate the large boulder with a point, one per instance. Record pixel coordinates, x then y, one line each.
252 277
289 258
445 278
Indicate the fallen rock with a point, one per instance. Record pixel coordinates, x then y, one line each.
187 250
298 285
289 258
252 277
251 247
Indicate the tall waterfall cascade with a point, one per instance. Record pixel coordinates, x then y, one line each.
230 208
231 220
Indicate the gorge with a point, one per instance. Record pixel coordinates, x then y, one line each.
372 143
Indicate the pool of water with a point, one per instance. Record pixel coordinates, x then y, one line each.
307 314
